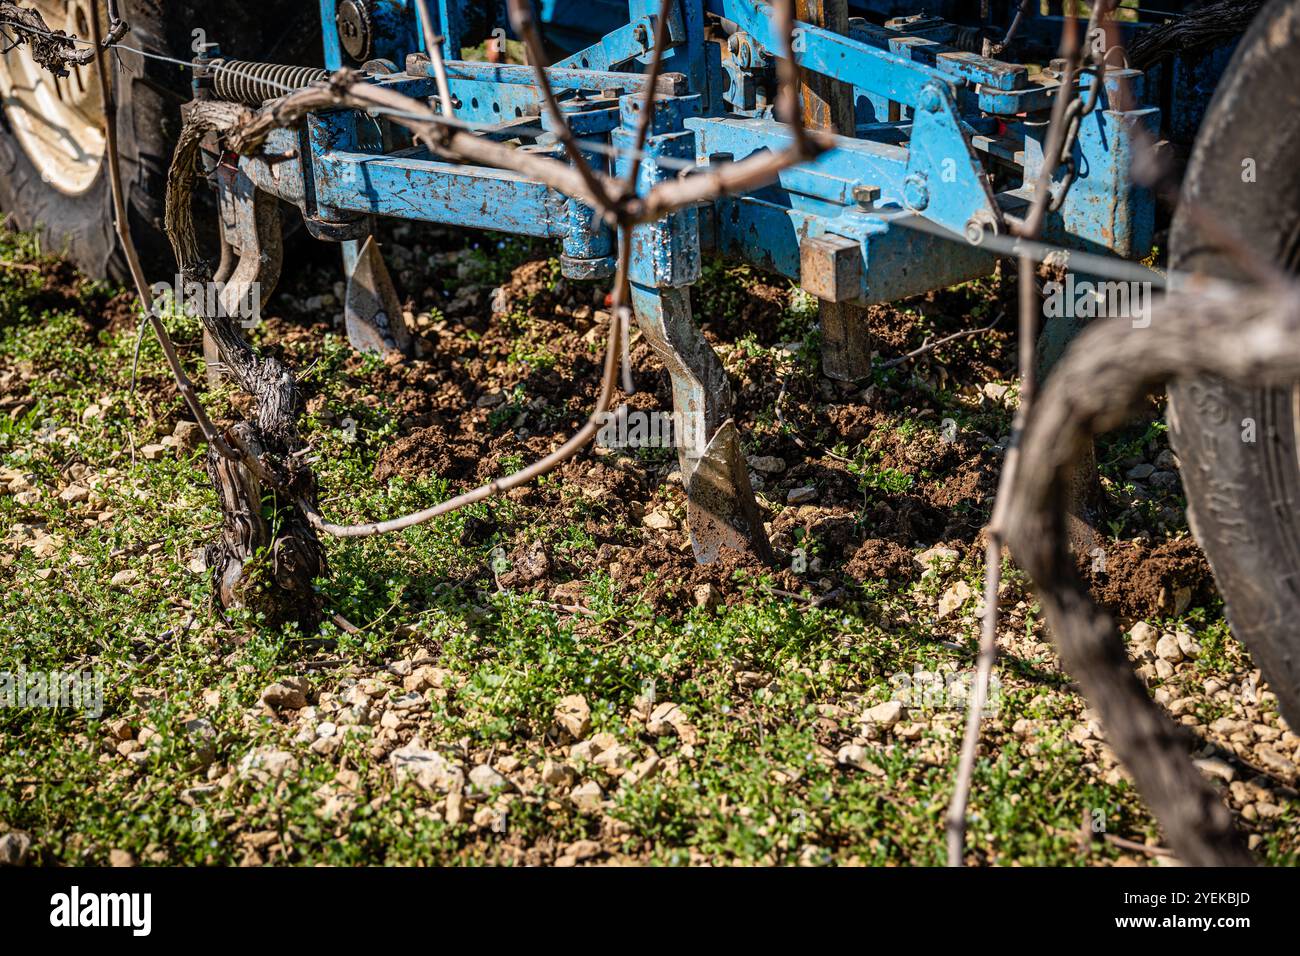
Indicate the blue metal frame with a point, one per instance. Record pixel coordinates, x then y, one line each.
958 118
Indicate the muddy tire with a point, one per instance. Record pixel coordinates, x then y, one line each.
71 207
1237 446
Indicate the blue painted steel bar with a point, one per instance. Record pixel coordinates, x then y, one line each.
561 79
831 176
333 47
970 66
837 56
898 260
422 188
629 42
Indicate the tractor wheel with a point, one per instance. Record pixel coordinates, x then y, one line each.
1237 445
53 177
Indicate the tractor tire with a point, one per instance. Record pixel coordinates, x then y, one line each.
1237 445
68 201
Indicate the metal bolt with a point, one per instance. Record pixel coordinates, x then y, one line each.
931 98
866 196
916 194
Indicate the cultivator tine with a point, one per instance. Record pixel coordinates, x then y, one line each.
371 308
721 510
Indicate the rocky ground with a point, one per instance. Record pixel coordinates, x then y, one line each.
550 678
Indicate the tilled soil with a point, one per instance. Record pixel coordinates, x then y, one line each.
505 372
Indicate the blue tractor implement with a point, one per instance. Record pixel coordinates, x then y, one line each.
936 148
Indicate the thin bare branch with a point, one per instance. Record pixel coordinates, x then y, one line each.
927 347
54 49
525 24
434 44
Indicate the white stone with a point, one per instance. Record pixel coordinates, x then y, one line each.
767 464
1187 644
582 850
74 494
264 764
1167 649
281 696
938 553
484 779
707 596
1142 637
954 598
587 796
658 521
574 715
884 715
1214 767
14 847
556 774
856 756
428 769
659 724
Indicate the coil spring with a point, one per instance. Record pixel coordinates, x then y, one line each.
254 83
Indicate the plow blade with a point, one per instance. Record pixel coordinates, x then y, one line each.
371 308
721 511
